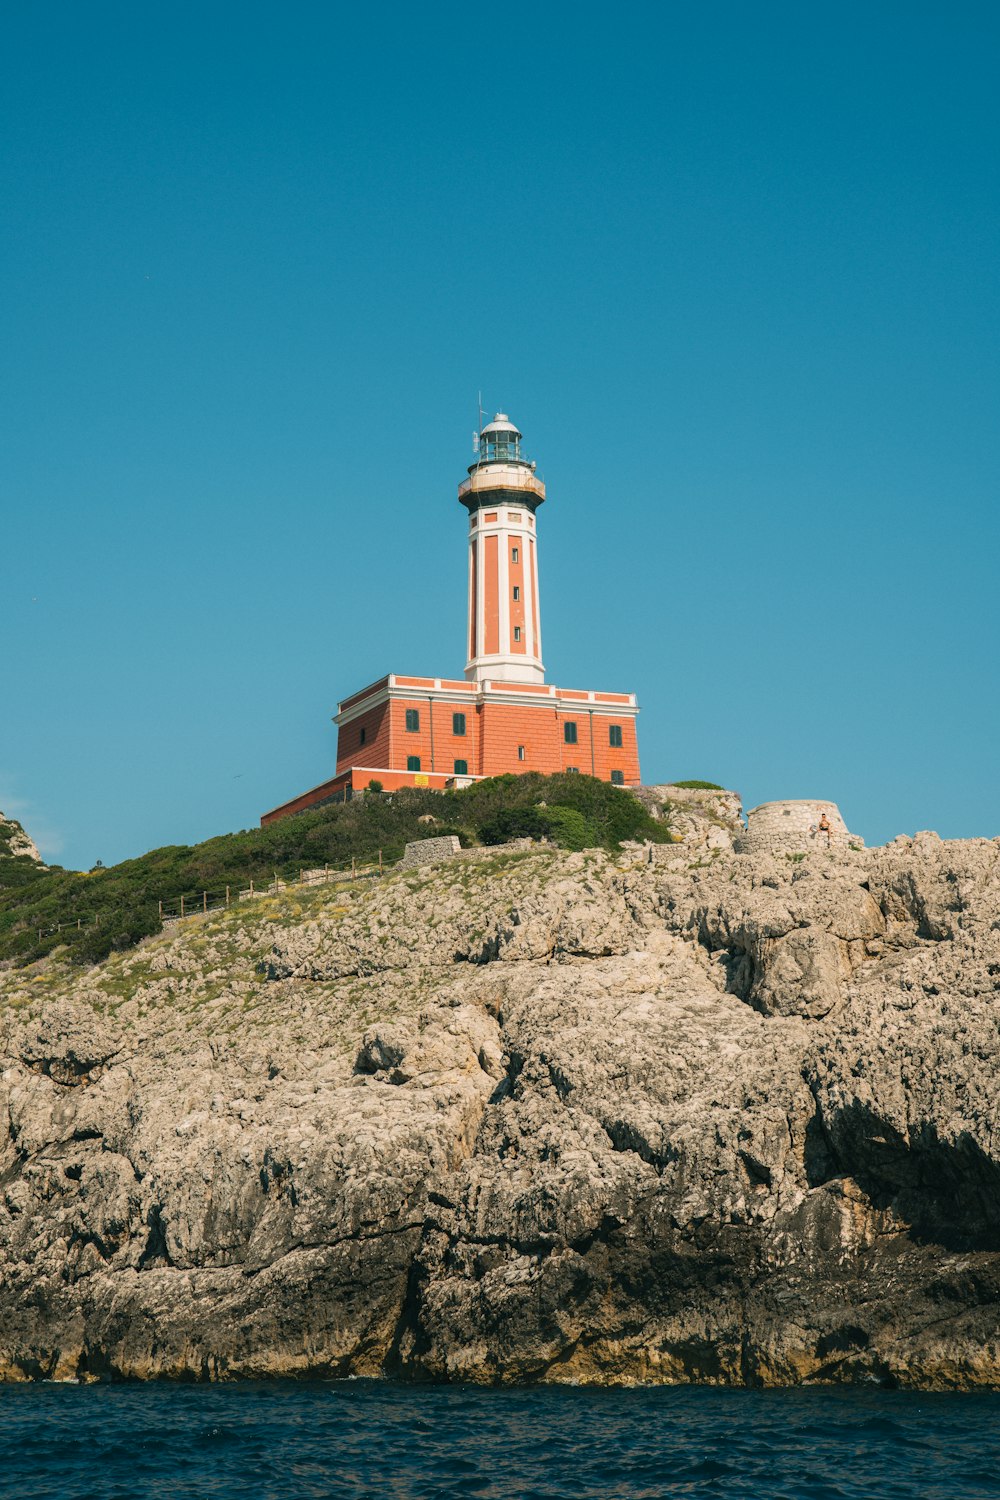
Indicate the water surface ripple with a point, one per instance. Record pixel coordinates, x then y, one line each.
373 1441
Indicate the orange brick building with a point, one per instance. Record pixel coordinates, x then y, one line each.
503 716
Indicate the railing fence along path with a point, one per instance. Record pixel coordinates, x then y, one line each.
201 903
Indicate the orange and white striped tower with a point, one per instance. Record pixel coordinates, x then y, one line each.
502 496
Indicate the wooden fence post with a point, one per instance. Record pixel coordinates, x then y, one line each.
251 885
204 901
327 869
380 861
227 898
160 903
182 908
354 868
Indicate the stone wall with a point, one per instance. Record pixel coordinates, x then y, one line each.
428 851
486 852
793 828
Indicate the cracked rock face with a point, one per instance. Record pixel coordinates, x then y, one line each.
543 1116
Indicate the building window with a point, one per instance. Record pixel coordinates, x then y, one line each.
617 778
520 752
413 762
576 769
517 593
461 768
517 632
363 736
413 723
458 723
513 554
569 733
615 736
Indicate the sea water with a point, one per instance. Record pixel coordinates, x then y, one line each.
374 1441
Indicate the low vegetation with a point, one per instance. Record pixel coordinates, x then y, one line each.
92 915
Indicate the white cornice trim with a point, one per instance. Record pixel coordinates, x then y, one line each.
485 692
363 706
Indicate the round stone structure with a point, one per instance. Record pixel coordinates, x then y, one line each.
794 828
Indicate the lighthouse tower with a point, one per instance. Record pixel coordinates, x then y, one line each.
502 496
502 717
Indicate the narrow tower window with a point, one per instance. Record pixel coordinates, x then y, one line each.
615 736
413 724
513 554
413 762
517 593
458 723
569 735
520 752
363 736
517 632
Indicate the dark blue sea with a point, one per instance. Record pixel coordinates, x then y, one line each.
368 1441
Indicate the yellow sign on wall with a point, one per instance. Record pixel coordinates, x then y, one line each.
420 780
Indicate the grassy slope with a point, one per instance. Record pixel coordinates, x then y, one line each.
118 906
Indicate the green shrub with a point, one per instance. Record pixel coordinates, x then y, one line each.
122 930
514 823
699 786
569 828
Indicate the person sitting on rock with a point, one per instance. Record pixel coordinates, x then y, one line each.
825 827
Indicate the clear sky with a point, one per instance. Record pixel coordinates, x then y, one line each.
732 269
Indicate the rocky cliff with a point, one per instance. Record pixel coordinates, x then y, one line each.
16 848
678 1114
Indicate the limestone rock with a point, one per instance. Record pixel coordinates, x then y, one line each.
682 1113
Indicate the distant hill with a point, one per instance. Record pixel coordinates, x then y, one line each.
20 861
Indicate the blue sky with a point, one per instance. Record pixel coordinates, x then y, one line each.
732 270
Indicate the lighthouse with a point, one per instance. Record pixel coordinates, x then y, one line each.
501 716
502 495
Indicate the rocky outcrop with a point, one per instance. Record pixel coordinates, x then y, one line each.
679 1114
16 848
699 817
